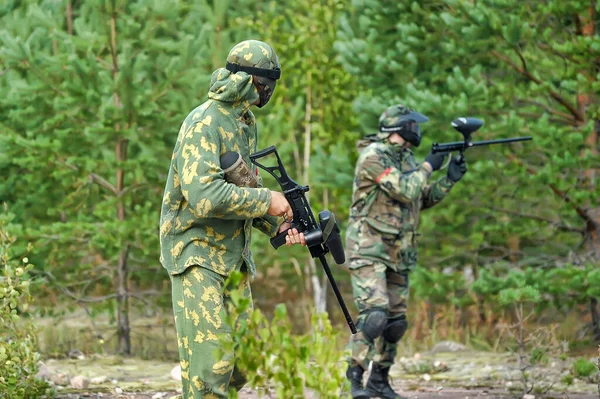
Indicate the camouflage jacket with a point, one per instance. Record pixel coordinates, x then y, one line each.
389 191
205 220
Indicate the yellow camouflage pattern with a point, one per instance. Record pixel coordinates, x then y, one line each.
200 310
203 215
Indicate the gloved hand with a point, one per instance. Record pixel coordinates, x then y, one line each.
435 160
457 169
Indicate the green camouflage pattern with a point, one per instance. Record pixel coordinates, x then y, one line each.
200 306
205 220
389 191
254 53
377 286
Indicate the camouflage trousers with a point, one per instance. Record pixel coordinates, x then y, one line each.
200 310
376 286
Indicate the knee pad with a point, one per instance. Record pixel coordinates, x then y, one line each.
374 323
395 329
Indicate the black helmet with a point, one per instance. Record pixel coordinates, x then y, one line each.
402 120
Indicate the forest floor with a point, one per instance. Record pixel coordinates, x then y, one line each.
465 374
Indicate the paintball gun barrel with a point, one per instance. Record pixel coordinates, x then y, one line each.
320 237
466 127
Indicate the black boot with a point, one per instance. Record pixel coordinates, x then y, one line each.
355 375
378 384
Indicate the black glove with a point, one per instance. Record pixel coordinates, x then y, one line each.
435 160
457 169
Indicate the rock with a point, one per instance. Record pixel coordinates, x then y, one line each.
75 354
528 396
176 373
60 379
44 373
99 380
118 390
426 377
448 346
159 395
80 382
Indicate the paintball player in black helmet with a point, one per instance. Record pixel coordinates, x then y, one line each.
390 189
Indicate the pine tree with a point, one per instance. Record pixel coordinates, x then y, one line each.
95 92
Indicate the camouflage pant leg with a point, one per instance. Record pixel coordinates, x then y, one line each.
200 308
398 292
369 288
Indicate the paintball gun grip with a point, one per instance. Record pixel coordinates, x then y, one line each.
279 239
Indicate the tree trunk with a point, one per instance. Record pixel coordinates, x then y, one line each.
514 247
480 298
595 311
123 329
587 22
319 291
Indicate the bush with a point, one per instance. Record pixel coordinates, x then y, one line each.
18 347
583 368
271 357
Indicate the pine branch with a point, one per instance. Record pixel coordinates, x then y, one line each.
552 50
556 223
93 177
582 212
545 107
525 72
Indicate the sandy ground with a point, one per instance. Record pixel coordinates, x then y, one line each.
463 375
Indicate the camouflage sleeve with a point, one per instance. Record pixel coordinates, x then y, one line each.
402 186
435 192
268 224
202 182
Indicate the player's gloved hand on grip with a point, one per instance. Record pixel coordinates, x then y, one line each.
457 169
435 160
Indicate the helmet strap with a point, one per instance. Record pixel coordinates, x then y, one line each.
273 74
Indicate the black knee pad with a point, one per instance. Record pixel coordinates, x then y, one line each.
374 323
395 329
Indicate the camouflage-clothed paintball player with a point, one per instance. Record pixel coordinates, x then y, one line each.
206 219
390 189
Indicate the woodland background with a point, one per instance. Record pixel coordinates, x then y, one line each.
92 94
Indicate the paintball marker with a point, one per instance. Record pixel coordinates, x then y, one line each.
320 237
466 127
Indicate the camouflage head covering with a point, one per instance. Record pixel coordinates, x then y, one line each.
258 59
254 53
393 119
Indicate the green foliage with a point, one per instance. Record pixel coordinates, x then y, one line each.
583 368
270 356
18 347
95 93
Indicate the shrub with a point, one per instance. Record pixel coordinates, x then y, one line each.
271 357
583 368
18 346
